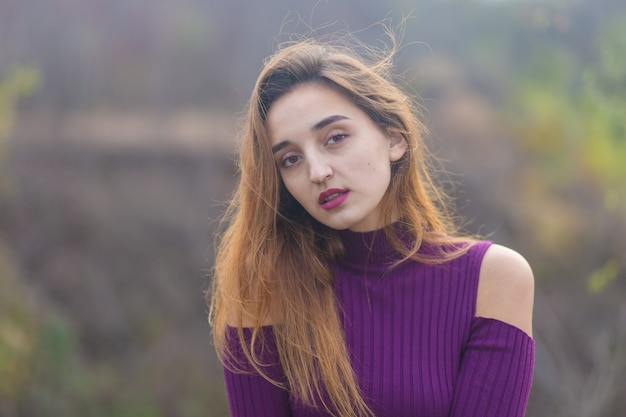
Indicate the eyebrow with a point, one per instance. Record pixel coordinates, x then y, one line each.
327 120
316 127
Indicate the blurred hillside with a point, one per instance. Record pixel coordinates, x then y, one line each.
114 166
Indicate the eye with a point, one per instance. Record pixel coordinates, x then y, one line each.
336 138
289 159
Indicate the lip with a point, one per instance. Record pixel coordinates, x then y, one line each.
341 195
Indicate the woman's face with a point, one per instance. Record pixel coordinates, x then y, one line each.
331 156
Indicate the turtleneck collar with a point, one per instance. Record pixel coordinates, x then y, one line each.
370 251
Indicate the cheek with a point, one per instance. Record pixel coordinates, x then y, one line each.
374 168
365 165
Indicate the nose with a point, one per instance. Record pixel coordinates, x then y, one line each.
319 169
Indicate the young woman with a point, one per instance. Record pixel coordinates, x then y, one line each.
341 286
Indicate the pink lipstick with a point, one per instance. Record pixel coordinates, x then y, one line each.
333 197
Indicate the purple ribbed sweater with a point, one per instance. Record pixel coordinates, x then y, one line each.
414 343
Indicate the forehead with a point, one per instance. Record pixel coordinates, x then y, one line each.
298 111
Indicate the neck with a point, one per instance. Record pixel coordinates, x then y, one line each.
371 251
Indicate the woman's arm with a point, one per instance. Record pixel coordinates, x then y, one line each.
496 369
249 393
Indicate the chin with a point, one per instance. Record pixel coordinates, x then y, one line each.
336 225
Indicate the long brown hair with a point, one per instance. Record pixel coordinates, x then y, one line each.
272 259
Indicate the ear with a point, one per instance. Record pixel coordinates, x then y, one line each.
397 146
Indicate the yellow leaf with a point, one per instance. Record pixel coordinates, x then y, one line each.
603 276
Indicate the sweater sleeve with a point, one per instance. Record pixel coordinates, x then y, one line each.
249 393
496 371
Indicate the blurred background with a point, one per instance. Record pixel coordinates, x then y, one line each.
117 128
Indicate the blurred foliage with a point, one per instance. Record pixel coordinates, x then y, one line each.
603 276
100 309
18 329
19 82
41 370
575 121
18 326
568 115
570 118
604 111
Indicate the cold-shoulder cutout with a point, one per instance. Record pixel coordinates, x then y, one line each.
506 288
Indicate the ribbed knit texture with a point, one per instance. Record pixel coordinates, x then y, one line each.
416 348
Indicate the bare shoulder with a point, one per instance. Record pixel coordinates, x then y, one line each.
506 288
